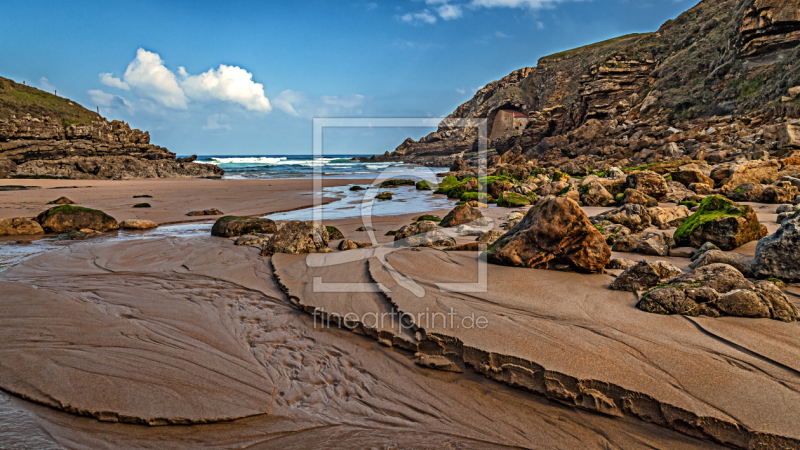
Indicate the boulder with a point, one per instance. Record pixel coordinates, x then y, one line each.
789 137
653 244
555 234
252 239
461 215
466 230
205 212
459 165
296 237
649 183
688 177
19 226
747 192
347 244
495 188
422 234
334 234
781 192
232 226
632 216
386 195
703 248
64 218
661 217
611 231
620 263
718 290
356 188
595 194
61 201
722 222
677 193
636 197
490 237
778 255
738 261
513 200
420 186
136 224
645 275
74 235
757 172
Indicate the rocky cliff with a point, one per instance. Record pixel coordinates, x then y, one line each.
721 58
76 143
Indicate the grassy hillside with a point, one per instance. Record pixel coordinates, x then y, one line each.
17 99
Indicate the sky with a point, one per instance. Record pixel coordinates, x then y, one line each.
248 77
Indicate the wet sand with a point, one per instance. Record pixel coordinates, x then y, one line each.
171 198
172 342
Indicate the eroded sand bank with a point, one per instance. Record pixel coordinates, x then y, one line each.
219 346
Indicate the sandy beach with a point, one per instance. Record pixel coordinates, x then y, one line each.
195 341
171 199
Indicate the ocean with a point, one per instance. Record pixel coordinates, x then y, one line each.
302 166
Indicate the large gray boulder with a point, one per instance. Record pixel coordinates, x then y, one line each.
778 255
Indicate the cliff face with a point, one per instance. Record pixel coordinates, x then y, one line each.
32 147
722 57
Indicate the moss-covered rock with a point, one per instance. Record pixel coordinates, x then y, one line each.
142 205
513 200
559 176
398 182
61 201
467 197
423 186
357 188
429 218
385 195
722 222
232 226
65 218
334 233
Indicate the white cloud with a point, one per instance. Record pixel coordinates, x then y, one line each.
500 34
299 104
228 83
461 91
423 16
44 84
539 25
285 99
148 78
532 4
212 122
107 100
110 80
450 12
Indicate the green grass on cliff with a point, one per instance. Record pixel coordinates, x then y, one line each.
596 45
18 99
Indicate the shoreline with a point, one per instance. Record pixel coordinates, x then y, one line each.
171 198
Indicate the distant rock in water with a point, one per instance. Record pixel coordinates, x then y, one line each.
136 224
93 149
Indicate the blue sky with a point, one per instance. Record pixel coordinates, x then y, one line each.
246 77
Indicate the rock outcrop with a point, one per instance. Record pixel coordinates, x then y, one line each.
719 290
296 237
66 218
645 275
778 255
554 234
92 149
460 215
19 226
721 222
232 226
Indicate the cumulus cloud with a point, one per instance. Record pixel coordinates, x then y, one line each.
212 122
44 84
421 17
299 104
450 12
110 80
148 78
531 4
107 100
228 83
